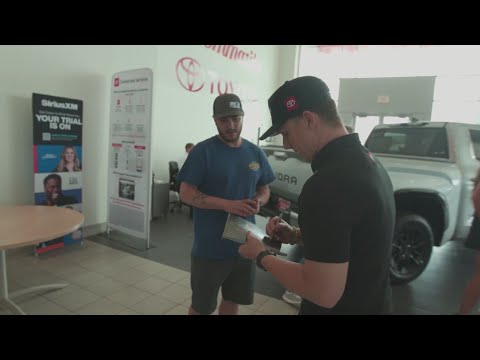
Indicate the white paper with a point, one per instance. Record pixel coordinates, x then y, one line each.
236 229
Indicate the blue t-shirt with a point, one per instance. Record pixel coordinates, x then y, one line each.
217 169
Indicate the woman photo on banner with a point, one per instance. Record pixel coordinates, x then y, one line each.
69 161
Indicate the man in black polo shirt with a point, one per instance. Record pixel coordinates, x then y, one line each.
346 209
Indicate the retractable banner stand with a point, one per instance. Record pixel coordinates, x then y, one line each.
129 178
57 158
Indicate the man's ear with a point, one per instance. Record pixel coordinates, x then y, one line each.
311 119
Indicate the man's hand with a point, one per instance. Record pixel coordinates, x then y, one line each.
241 208
279 230
252 247
257 205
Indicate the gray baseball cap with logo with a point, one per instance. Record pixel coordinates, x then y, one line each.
227 105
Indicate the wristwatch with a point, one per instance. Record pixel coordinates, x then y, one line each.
261 255
297 236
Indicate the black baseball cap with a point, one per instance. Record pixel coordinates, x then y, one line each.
227 105
293 98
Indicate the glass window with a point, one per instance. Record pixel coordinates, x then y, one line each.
409 141
393 120
364 126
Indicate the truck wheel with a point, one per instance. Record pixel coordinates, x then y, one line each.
411 249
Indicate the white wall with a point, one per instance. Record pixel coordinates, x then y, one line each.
182 116
79 72
288 62
84 72
288 58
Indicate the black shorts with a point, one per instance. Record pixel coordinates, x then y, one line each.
235 276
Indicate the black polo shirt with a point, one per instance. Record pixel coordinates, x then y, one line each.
347 214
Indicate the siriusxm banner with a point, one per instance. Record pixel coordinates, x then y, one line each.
57 158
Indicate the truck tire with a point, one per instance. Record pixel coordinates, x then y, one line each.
411 248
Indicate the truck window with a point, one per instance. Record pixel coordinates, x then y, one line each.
364 126
409 141
475 136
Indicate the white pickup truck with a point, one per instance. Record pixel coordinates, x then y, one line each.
431 165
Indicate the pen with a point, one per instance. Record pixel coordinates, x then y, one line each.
280 218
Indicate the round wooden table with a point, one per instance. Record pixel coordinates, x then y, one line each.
31 225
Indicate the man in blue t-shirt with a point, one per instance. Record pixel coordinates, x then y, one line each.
223 174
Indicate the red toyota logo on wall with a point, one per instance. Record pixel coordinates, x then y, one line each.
190 74
116 82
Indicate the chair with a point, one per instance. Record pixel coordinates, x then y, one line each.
160 198
175 201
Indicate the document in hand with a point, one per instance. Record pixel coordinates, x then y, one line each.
236 229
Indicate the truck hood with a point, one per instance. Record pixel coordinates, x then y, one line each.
439 176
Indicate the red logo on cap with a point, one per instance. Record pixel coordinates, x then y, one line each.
291 103
116 82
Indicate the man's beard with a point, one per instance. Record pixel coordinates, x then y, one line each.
230 138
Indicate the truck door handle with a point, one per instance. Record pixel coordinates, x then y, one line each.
280 154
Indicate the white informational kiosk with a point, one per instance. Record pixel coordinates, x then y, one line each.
129 164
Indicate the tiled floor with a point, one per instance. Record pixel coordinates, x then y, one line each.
107 281
171 244
437 291
118 279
